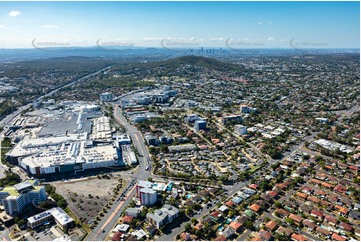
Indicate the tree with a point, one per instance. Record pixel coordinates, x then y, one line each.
249 225
47 204
306 157
194 221
188 227
278 204
281 237
290 221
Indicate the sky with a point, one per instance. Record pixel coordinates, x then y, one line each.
180 24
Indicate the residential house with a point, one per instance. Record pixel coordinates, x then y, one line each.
320 193
190 204
216 216
331 220
341 210
327 185
298 237
199 226
249 213
255 238
230 204
262 203
305 208
271 225
266 197
228 232
301 195
354 215
317 214
223 209
340 189
134 212
151 229
281 213
307 190
273 194
329 206
127 219
313 199
185 236
220 238
337 237
253 186
323 232
204 193
236 226
139 234
345 227
237 200
255 207
284 231
265 235
296 218
117 236
310 225
315 181
242 220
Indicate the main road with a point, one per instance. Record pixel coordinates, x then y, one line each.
100 232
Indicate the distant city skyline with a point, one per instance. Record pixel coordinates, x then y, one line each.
180 24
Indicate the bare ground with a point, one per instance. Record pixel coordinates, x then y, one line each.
86 197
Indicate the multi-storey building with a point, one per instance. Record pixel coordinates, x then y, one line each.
147 196
15 198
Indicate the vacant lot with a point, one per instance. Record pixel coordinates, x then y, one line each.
86 197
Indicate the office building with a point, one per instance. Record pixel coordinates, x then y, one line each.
152 140
62 219
322 120
142 184
191 118
147 196
163 216
232 119
15 198
240 129
106 97
247 109
200 125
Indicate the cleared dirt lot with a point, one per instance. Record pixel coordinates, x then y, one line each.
86 197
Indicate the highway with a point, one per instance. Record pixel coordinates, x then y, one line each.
74 82
101 231
9 118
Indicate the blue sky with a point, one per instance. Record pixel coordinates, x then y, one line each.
181 24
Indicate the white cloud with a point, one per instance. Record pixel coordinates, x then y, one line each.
217 39
49 26
271 39
14 13
151 38
259 23
3 27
